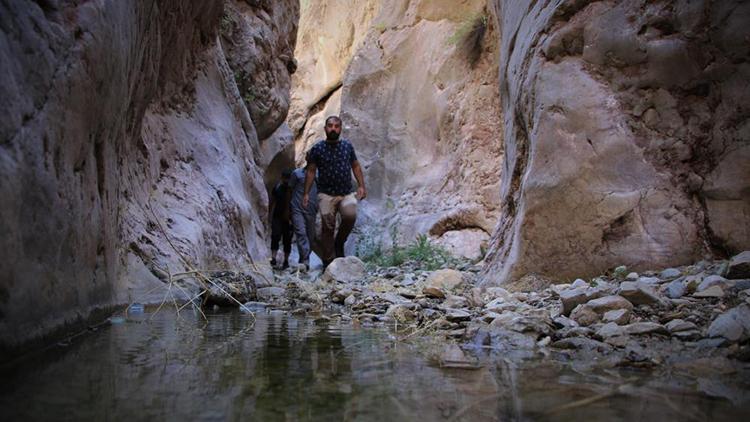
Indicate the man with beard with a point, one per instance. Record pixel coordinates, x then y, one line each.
334 160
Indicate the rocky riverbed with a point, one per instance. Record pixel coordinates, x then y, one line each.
693 319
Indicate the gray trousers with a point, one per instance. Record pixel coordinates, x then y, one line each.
304 231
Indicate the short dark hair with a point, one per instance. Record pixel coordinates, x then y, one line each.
336 118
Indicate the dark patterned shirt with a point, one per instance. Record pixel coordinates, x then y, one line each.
334 162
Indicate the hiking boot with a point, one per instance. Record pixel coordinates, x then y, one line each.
285 266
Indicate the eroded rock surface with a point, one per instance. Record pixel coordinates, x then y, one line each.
626 135
424 120
127 148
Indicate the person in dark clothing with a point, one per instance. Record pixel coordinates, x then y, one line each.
303 218
334 160
280 215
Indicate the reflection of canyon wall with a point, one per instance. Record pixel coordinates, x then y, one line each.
627 135
125 125
424 121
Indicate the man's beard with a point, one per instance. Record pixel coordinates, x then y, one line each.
332 136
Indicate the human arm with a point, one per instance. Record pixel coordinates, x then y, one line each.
361 190
309 179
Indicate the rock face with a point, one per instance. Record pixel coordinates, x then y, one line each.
625 135
425 122
126 146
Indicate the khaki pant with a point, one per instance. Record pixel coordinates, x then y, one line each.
330 207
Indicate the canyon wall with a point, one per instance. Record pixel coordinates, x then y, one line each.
420 105
132 140
627 139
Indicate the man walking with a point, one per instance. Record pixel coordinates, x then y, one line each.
303 217
335 160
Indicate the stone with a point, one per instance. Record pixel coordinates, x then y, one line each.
453 301
713 291
447 280
266 293
713 280
677 325
350 300
455 315
344 270
573 297
582 343
579 283
651 281
638 293
676 289
584 315
492 293
645 328
610 329
609 303
564 322
433 292
670 273
391 297
618 316
733 325
631 276
739 266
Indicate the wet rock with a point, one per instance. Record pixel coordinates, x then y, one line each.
339 296
571 298
453 357
584 315
433 292
733 325
344 270
670 273
713 291
454 315
618 316
446 280
582 343
631 276
638 293
739 266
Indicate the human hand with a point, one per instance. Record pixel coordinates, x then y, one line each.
361 193
305 200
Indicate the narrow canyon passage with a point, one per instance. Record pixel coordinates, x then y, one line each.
557 220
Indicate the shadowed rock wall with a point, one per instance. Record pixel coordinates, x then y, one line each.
626 135
126 146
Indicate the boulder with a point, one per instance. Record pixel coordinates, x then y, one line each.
733 325
571 298
584 315
618 316
344 270
739 266
447 280
638 293
609 303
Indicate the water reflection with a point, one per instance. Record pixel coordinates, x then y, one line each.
287 368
